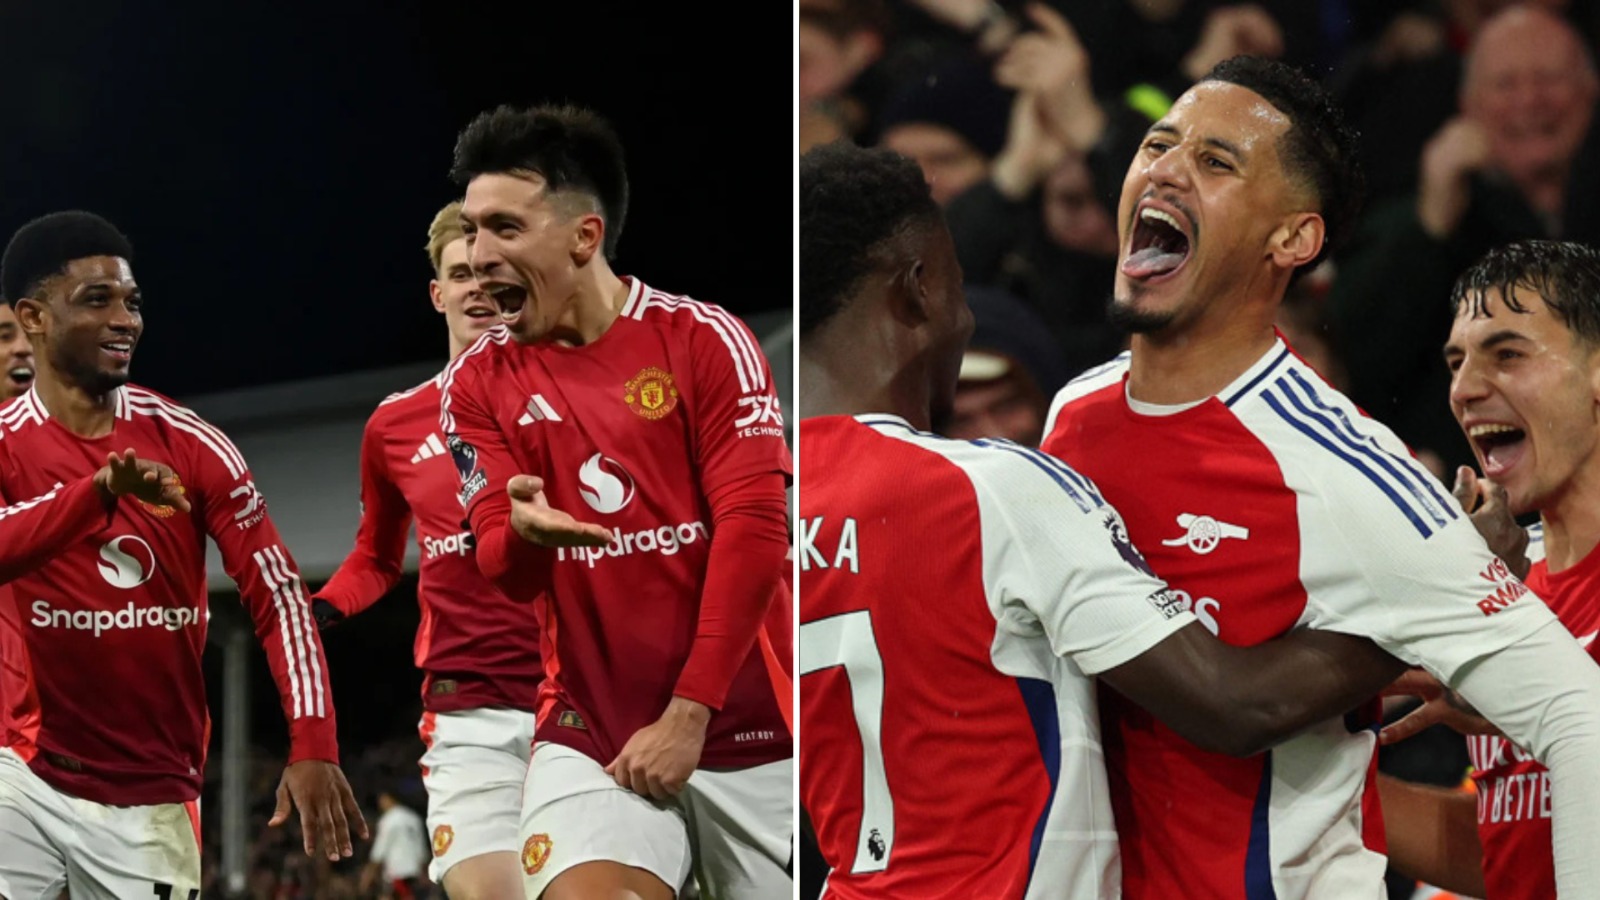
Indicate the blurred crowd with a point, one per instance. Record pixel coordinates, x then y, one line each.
277 865
1475 120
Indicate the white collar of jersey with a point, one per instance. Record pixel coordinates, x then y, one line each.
1249 375
119 403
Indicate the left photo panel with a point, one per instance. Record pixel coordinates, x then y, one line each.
395 456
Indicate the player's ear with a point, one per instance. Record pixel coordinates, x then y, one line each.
1297 241
436 295
908 293
588 239
30 314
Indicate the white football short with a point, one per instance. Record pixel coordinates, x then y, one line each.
731 830
50 841
473 770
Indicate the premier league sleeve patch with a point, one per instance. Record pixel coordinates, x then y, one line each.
473 478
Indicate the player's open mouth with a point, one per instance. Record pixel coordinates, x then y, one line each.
21 376
479 311
118 350
1159 245
1499 446
510 298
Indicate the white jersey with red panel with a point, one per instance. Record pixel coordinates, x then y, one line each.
1275 505
955 598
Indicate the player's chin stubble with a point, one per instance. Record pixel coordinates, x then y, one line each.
1122 314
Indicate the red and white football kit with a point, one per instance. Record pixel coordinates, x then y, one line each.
667 431
479 650
1274 505
1513 788
955 599
103 626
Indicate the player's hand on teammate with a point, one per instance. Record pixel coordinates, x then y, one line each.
126 474
1490 510
539 523
327 807
1440 706
658 760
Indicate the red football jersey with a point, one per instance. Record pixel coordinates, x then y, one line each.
1513 788
477 647
632 431
105 624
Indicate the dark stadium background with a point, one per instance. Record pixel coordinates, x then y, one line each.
276 167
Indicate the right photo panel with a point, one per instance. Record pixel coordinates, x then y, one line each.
1199 450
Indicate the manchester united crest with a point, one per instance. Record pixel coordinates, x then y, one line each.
535 853
164 512
442 838
651 393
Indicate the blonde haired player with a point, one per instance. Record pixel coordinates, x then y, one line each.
479 651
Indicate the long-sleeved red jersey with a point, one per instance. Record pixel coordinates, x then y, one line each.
103 619
667 431
477 647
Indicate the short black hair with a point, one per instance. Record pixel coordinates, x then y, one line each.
1319 149
45 246
1565 273
851 201
572 148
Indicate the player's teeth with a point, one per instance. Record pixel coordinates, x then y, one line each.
1485 430
1156 215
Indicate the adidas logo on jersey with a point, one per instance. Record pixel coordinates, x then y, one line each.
428 450
539 410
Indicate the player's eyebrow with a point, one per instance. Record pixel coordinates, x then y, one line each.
1167 129
1494 339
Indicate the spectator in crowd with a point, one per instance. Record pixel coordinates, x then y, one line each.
952 122
838 43
1518 161
1009 373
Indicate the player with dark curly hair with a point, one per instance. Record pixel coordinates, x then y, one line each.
662 742
103 615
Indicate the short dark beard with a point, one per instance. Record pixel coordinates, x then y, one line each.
91 380
1125 317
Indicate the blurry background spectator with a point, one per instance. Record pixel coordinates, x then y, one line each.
1011 371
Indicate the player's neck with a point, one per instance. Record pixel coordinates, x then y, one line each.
853 383
84 414
594 307
1572 522
1172 368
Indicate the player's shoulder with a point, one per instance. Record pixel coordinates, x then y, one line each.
1091 383
687 317
483 355
20 415
1364 474
1003 470
178 425
421 393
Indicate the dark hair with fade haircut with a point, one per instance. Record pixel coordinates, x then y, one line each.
1566 274
852 200
45 246
1319 149
572 148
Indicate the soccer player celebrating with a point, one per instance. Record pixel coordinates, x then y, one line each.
104 618
479 650
16 353
661 743
1270 502
1037 590
1525 356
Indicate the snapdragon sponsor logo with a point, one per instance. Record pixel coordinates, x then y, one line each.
459 544
127 618
665 540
